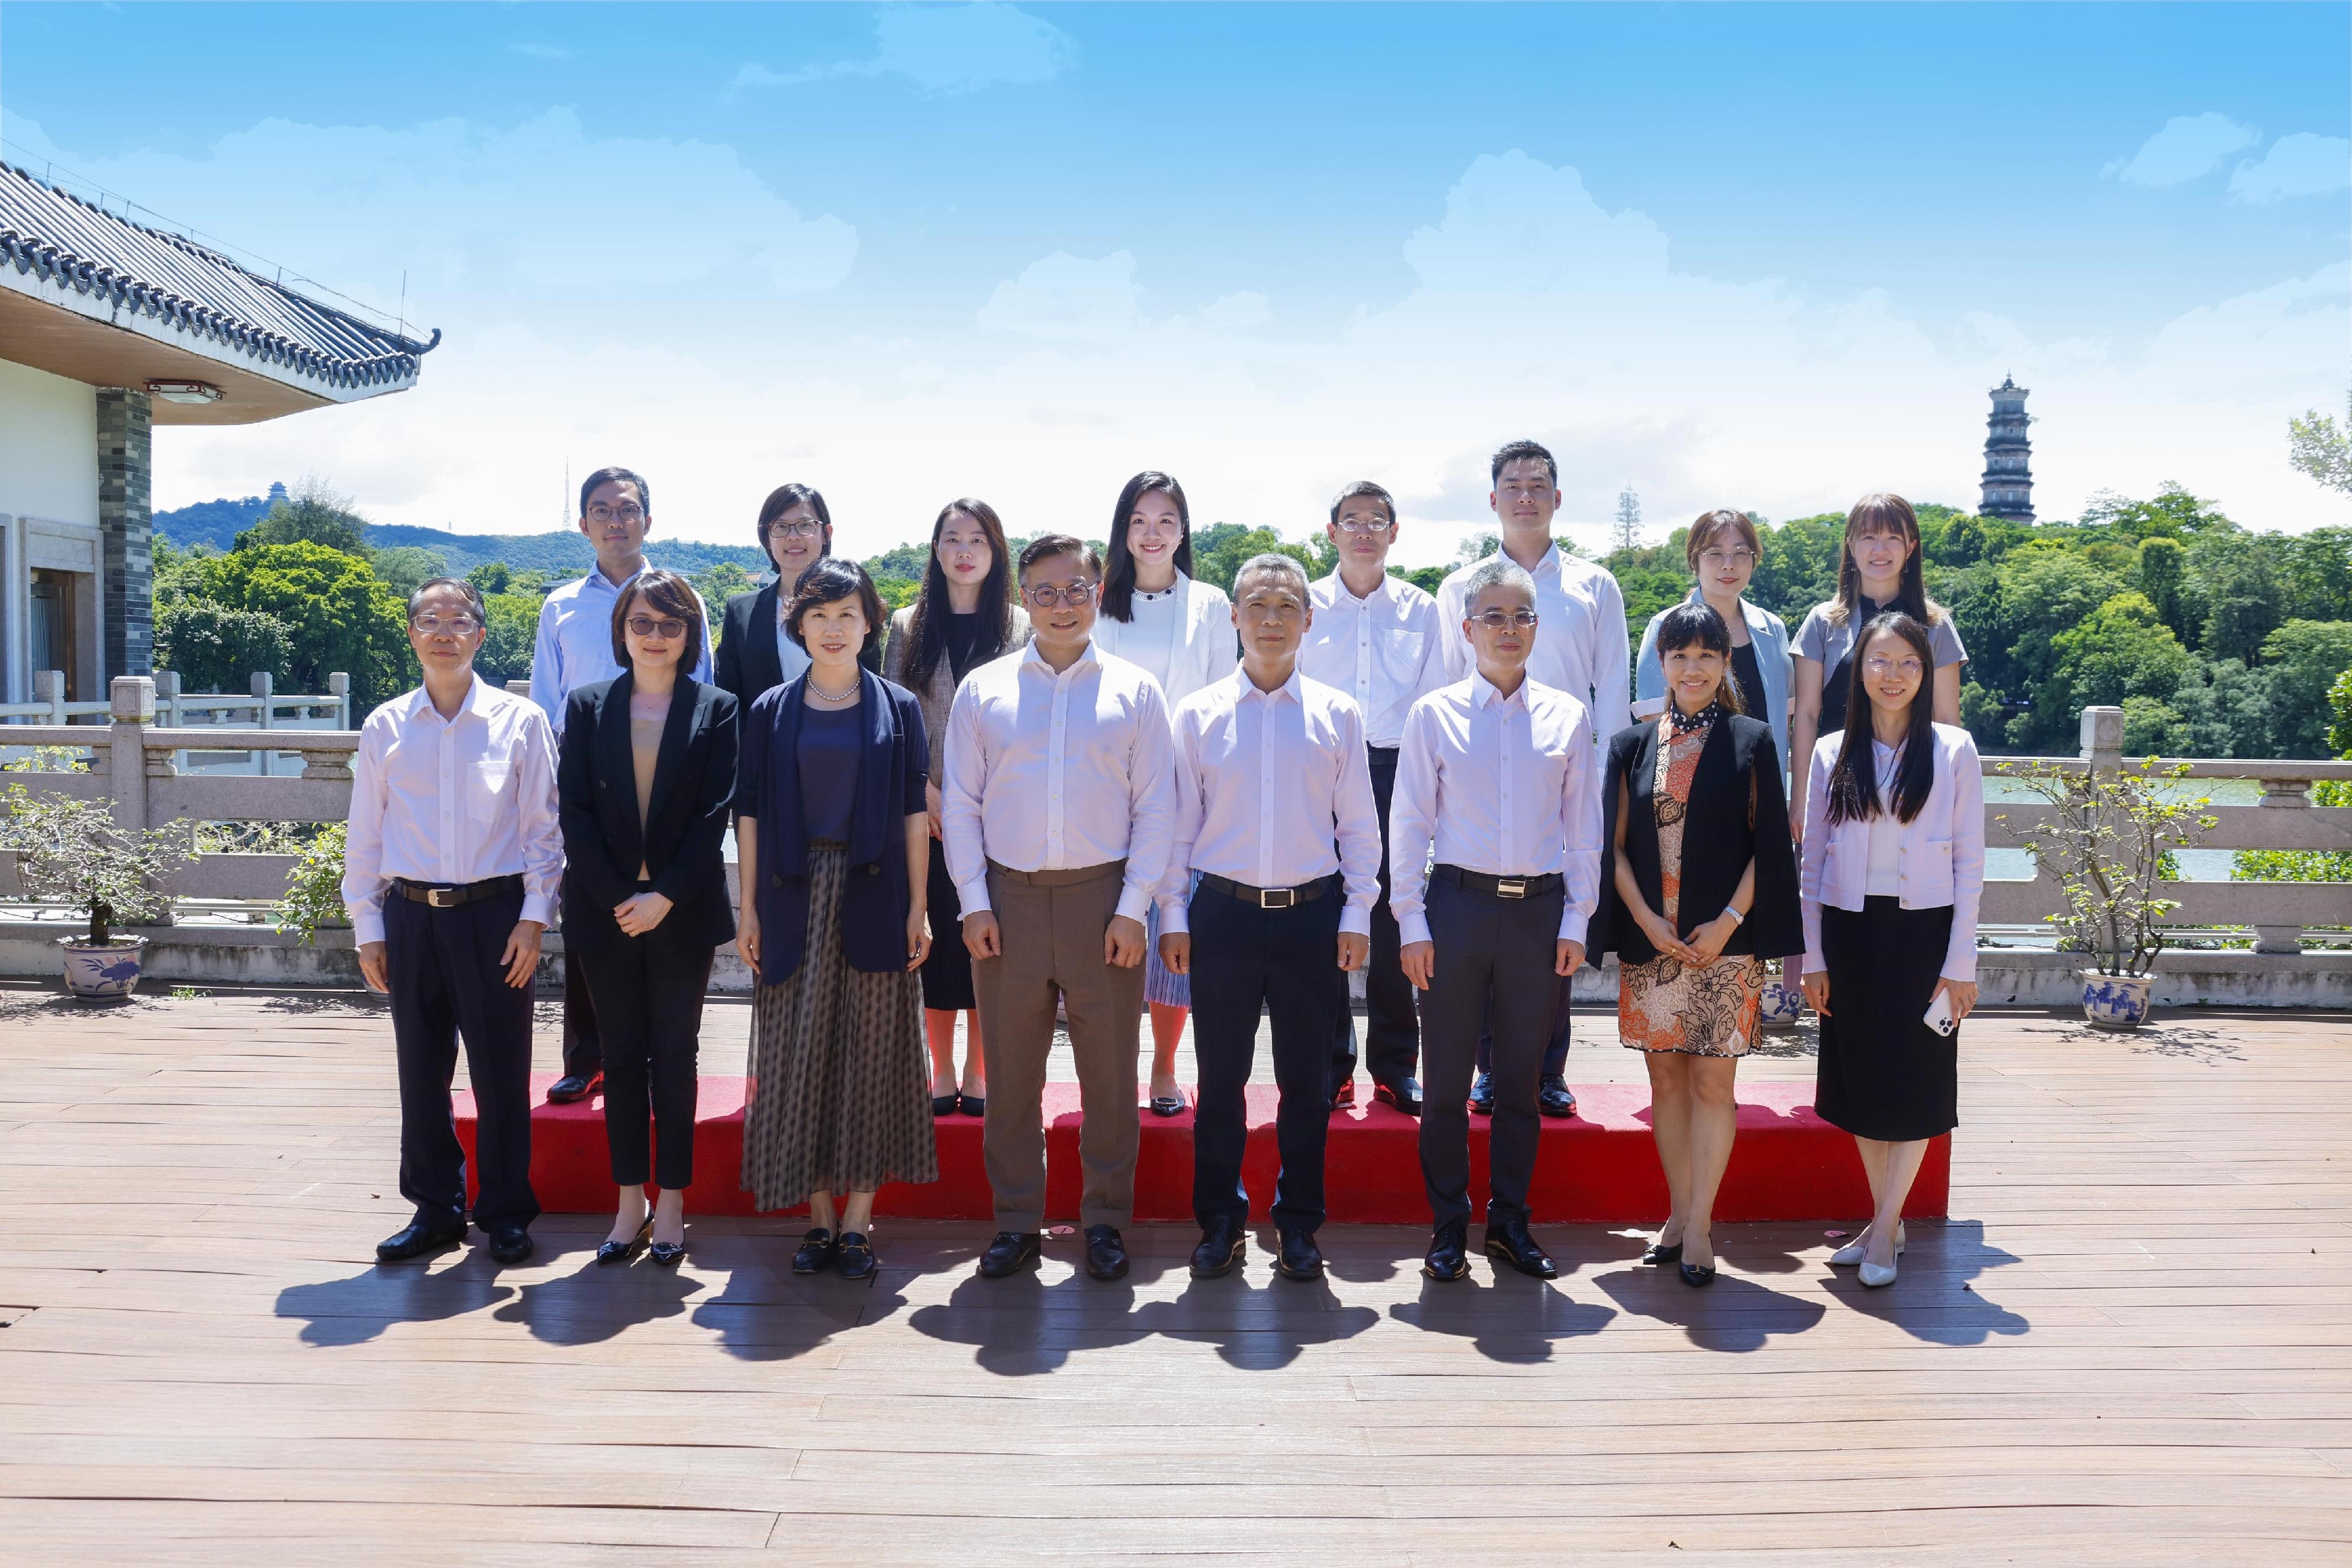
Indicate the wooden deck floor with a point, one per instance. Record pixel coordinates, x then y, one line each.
2133 1345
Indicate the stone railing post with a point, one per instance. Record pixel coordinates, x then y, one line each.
49 687
265 685
2103 738
339 686
167 698
518 689
132 698
2288 794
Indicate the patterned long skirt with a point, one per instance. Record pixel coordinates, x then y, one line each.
1666 1004
841 1081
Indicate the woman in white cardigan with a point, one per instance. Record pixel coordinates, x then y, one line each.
1181 632
1893 870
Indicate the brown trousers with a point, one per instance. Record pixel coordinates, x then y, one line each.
1052 924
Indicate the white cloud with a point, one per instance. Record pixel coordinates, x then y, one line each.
945 49
2302 164
1067 299
2188 146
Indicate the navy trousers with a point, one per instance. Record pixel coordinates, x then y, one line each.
1285 962
447 981
1392 1028
584 1048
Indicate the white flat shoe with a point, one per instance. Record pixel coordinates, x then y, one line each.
1873 1277
1847 1256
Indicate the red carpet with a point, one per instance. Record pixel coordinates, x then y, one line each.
1597 1167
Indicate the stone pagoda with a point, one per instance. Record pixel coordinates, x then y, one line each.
2008 476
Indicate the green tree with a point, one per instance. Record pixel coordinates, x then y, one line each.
2306 658
2225 711
490 576
723 582
2162 562
2122 649
2317 446
2237 578
339 613
314 514
404 568
1218 551
510 640
213 647
2339 705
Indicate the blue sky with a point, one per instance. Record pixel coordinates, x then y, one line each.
1761 255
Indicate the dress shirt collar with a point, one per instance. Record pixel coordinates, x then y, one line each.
1030 655
1384 589
420 700
1483 691
1244 688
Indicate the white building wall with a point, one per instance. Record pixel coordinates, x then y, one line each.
48 475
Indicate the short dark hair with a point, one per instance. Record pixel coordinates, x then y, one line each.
782 499
828 581
1364 488
588 488
1047 545
665 593
1512 451
1693 622
473 595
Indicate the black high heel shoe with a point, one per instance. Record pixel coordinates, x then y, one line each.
667 1254
626 1251
1657 1257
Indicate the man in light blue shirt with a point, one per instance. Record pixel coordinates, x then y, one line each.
575 650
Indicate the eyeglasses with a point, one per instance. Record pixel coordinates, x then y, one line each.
434 625
646 626
1717 559
627 512
1046 596
1364 526
1497 621
1881 666
794 530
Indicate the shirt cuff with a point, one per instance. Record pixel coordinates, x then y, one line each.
538 906
1175 917
1355 921
1412 925
1135 904
973 896
1571 924
367 925
1813 964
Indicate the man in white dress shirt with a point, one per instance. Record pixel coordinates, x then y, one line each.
1498 784
1582 649
1376 638
453 858
1274 809
1057 809
574 650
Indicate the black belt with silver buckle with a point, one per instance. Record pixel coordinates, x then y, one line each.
1500 886
444 896
1271 897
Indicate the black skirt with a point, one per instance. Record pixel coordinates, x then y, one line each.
1882 1072
947 973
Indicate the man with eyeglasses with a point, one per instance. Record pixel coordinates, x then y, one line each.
1497 835
1057 809
575 650
1580 648
1375 637
453 857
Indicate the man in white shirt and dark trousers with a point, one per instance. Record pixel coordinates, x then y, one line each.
1376 638
1499 785
1274 809
575 649
450 870
1582 649
1057 808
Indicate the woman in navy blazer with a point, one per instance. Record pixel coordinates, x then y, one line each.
646 771
834 833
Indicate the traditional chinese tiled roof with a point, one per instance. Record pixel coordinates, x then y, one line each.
68 243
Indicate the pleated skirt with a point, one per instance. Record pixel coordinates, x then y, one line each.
1882 1072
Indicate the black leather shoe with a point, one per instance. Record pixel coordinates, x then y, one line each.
1105 1253
667 1254
944 1105
1698 1273
510 1243
1344 1097
1449 1252
626 1251
1299 1259
1012 1251
1482 1094
815 1255
973 1105
417 1238
855 1255
1168 1105
1508 1239
1404 1094
572 1086
1223 1242
1657 1257
1556 1098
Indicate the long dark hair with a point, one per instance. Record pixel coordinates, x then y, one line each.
1694 621
1118 573
1853 782
1883 512
927 642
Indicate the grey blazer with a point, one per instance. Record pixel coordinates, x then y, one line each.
939 692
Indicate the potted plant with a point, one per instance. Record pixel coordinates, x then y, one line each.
314 888
70 852
2110 834
1784 1001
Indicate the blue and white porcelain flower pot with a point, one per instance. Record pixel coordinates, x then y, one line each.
101 971
1784 1004
2115 1001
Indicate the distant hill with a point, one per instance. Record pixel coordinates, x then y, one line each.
214 523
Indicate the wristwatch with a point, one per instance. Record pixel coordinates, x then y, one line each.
1737 916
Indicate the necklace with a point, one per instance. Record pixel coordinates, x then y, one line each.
831 696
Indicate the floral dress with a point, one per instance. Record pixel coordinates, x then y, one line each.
1666 1004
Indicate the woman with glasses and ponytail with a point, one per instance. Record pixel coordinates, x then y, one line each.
1893 871
1180 632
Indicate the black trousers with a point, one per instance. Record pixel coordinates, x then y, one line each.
1494 967
1390 1024
448 981
1285 962
584 1049
648 991
1555 1062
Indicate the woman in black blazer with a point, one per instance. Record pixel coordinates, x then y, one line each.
755 654
1701 890
833 839
645 775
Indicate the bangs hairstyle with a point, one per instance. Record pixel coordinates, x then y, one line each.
604 476
1883 512
1711 528
1694 623
782 499
1854 781
1046 546
1118 571
1512 451
1364 488
662 593
926 633
829 582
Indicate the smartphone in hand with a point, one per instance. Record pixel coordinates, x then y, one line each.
1939 1014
